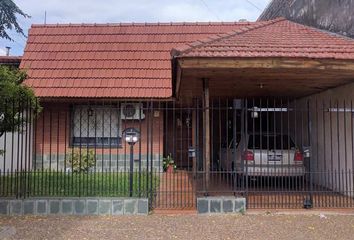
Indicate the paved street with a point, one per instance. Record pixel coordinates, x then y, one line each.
250 226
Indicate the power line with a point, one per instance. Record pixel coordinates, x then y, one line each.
254 5
23 38
212 12
20 41
20 44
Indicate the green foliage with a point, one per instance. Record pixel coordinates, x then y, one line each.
80 161
16 98
168 161
47 183
8 18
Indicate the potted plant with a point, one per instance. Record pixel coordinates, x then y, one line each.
169 165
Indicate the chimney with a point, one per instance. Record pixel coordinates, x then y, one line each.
8 51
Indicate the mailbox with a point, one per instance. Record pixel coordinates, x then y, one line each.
307 152
191 152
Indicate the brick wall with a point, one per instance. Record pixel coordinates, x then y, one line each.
53 135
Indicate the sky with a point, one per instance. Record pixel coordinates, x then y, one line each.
115 11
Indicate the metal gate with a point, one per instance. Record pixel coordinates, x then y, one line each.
276 152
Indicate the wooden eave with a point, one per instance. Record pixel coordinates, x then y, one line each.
314 74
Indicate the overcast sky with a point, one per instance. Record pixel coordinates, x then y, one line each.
113 11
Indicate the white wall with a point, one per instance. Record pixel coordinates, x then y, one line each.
332 136
18 150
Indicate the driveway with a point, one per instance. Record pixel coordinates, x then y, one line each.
249 226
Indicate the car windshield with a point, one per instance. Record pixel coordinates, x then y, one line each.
266 141
230 143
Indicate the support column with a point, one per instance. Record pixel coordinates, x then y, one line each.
194 141
206 135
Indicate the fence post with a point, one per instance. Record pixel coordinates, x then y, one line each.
206 126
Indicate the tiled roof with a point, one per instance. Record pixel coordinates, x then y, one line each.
109 60
10 60
275 38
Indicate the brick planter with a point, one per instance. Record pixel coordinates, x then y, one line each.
74 206
220 205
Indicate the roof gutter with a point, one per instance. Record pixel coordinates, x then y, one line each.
95 100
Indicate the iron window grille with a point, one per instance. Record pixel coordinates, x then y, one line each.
96 126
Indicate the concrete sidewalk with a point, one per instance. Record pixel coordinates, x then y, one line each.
157 226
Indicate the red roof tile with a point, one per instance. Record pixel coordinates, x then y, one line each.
276 38
109 60
134 61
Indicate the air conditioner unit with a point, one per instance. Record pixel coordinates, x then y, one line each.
132 111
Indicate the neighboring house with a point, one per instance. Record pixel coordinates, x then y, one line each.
189 88
331 15
10 60
14 142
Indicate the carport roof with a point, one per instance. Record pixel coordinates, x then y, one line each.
276 38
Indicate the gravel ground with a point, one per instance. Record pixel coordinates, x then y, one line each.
249 226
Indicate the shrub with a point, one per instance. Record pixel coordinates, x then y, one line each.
80 162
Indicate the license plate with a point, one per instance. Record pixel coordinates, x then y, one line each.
275 158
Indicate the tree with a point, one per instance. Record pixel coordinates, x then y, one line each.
18 101
15 98
8 18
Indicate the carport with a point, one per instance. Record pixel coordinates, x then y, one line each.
276 77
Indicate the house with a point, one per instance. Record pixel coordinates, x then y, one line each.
331 15
103 66
199 92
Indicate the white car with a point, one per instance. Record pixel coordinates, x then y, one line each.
266 154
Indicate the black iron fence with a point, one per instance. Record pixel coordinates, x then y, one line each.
275 152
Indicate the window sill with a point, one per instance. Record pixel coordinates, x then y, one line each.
93 146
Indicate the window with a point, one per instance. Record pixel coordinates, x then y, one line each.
96 126
270 142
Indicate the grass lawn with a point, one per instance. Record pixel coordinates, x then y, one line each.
59 184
